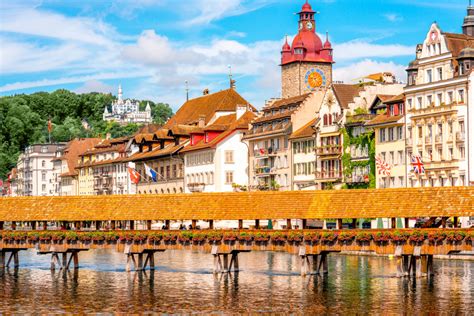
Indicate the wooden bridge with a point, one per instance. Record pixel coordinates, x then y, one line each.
104 212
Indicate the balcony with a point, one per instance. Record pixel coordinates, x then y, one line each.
460 136
266 152
196 187
428 140
329 150
329 175
264 171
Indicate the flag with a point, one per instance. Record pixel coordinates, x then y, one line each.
50 126
417 163
383 167
134 175
150 172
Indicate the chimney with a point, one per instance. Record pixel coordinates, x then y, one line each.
205 91
202 121
240 110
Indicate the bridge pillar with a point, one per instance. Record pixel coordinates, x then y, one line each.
1 225
303 224
455 221
167 224
45 225
33 225
257 224
407 222
241 224
148 224
323 263
288 224
2 259
354 223
112 225
444 221
132 225
13 226
211 224
193 223
339 223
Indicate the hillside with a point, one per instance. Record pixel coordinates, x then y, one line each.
24 120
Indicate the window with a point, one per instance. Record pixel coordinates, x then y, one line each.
410 103
419 102
229 177
43 176
401 181
440 153
391 158
44 149
462 152
439 98
382 135
299 51
461 126
43 187
429 76
440 73
400 132
450 97
229 156
400 157
391 134
429 100
450 153
461 96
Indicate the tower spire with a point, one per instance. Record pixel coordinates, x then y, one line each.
120 93
187 90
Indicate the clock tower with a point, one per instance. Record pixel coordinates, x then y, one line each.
306 65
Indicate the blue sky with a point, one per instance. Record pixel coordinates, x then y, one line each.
152 46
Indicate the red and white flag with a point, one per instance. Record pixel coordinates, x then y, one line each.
383 167
50 126
134 175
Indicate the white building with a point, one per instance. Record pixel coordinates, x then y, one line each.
216 159
127 111
35 170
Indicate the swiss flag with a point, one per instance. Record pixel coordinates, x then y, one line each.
134 175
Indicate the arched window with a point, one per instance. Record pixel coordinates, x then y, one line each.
329 119
180 190
325 120
43 163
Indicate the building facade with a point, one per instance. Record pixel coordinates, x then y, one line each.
438 95
35 170
127 111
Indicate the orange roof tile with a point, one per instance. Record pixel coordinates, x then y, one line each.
157 152
189 113
326 204
305 131
457 42
288 101
74 149
345 93
383 119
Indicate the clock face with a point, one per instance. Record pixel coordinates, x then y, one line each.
315 78
309 25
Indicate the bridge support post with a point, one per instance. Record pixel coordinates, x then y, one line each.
211 224
33 225
323 263
241 223
1 225
257 224
148 224
112 225
339 223
167 224
45 225
132 225
455 222
303 224
354 223
193 223
288 224
13 225
221 260
393 223
407 222
2 259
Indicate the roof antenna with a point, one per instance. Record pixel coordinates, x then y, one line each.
187 90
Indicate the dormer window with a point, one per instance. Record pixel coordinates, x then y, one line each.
299 51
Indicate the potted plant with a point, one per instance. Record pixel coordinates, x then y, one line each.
245 237
230 237
261 237
71 237
278 237
363 237
198 238
154 238
111 237
456 236
32 237
328 237
417 236
214 237
295 237
139 238
381 237
436 237
345 237
399 237
185 236
312 237
169 237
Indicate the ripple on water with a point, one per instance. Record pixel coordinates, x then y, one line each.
269 282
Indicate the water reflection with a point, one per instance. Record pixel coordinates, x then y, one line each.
268 282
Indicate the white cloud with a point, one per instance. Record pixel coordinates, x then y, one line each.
357 49
393 17
67 80
353 72
95 86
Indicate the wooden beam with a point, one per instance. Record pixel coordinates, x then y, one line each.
211 224
1 225
407 222
303 224
455 221
288 224
257 224
112 225
132 225
339 223
354 223
13 226
393 222
167 224
241 224
45 225
194 223
148 224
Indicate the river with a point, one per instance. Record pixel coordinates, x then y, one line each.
268 282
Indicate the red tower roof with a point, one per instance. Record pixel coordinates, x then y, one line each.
307 46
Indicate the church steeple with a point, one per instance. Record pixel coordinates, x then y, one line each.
468 25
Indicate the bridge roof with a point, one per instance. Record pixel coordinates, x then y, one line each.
414 202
